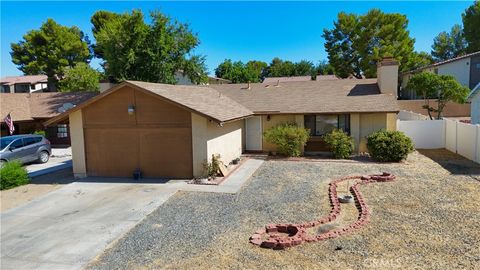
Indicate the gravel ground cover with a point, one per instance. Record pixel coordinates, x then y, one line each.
428 218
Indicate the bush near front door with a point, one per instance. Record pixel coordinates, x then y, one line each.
389 146
339 143
288 137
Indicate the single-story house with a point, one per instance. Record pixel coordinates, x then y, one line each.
465 68
30 111
172 130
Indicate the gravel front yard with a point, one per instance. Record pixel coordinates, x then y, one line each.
428 218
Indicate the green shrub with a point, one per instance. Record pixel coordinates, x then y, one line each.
288 137
12 174
40 132
339 143
389 146
212 168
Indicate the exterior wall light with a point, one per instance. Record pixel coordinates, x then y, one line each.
268 117
131 109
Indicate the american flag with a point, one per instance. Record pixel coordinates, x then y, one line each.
8 120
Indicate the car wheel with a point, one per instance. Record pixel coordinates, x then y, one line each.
43 157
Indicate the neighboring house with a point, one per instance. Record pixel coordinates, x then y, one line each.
274 80
24 84
466 69
30 111
183 79
474 99
172 130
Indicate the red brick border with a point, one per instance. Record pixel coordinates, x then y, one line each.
281 236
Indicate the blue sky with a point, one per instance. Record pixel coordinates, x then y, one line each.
235 30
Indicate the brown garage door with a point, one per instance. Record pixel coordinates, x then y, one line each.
157 153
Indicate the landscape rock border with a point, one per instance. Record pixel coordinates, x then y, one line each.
281 236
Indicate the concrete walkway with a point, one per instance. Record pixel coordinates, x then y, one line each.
67 228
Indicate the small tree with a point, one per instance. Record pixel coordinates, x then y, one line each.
80 78
288 137
444 88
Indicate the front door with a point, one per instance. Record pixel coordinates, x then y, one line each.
253 133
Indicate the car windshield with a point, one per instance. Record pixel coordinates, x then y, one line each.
5 141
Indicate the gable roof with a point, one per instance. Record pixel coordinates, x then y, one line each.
31 79
25 106
198 99
443 62
329 96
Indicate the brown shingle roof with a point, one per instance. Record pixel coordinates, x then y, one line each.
202 99
31 79
329 96
274 80
24 106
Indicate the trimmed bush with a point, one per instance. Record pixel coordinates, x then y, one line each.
340 143
288 137
388 146
12 174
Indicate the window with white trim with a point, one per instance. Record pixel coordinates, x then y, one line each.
62 131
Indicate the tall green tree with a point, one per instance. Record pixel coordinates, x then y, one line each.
238 72
304 68
449 45
356 43
471 26
324 68
418 60
443 88
280 68
132 49
80 78
49 50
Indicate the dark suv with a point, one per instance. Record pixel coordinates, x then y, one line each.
24 148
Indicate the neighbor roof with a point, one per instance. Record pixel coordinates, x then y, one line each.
329 96
199 99
24 106
274 80
444 62
31 79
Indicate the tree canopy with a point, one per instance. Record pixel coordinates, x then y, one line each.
449 45
50 49
357 42
80 78
238 72
444 88
471 26
132 49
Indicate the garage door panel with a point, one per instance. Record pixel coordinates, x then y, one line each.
111 152
166 152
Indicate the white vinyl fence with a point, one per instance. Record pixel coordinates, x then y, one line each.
455 136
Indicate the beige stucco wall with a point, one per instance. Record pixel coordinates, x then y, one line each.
371 122
387 78
199 144
275 120
78 144
209 138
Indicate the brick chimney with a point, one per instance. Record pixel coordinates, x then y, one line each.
387 76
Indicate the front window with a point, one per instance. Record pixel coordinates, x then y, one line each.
5 89
62 131
324 123
22 88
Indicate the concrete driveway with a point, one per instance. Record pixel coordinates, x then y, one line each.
68 227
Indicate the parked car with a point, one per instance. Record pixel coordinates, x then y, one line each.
24 148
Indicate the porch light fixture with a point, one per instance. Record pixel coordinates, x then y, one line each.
268 117
131 109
